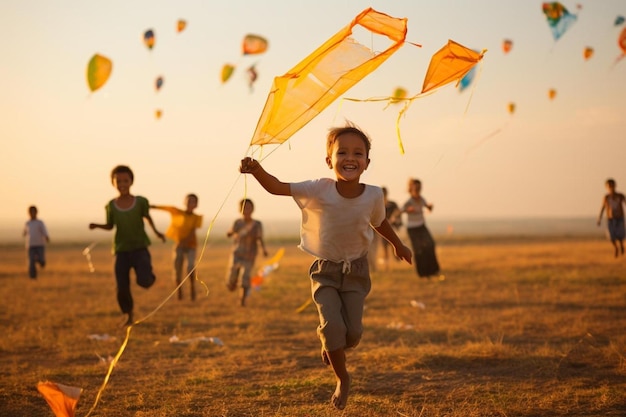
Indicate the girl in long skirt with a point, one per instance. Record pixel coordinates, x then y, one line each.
426 264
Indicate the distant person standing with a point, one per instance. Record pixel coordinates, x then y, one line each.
426 263
36 236
247 234
182 231
126 213
614 203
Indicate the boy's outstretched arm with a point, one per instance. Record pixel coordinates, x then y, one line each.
271 184
105 226
156 232
386 231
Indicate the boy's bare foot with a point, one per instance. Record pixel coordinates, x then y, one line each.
340 396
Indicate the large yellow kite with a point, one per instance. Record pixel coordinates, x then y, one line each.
309 87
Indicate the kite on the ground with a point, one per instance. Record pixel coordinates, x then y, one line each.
87 253
267 268
148 39
559 19
308 88
61 398
254 44
181 25
98 71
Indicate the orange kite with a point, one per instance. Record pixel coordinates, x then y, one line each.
308 88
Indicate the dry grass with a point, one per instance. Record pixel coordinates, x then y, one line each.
518 328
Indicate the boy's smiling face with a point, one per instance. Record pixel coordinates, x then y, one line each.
348 157
122 182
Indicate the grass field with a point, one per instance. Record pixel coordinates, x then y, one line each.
517 328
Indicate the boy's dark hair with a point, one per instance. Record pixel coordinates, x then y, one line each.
32 208
350 127
414 181
121 169
244 201
610 182
192 195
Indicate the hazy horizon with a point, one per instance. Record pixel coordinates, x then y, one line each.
77 231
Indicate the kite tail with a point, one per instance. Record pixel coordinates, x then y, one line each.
400 114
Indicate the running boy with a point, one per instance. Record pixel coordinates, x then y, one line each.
36 236
247 234
337 221
182 231
130 245
614 203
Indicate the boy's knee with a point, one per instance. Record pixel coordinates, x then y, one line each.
353 339
332 335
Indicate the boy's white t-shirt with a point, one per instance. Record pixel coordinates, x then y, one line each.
333 227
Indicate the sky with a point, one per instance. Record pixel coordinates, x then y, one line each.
549 158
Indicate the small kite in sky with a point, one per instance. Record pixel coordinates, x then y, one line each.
399 94
467 79
148 39
511 108
227 72
619 20
507 45
158 83
587 52
61 398
158 113
254 44
551 93
181 25
559 19
299 95
252 75
449 64
98 71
